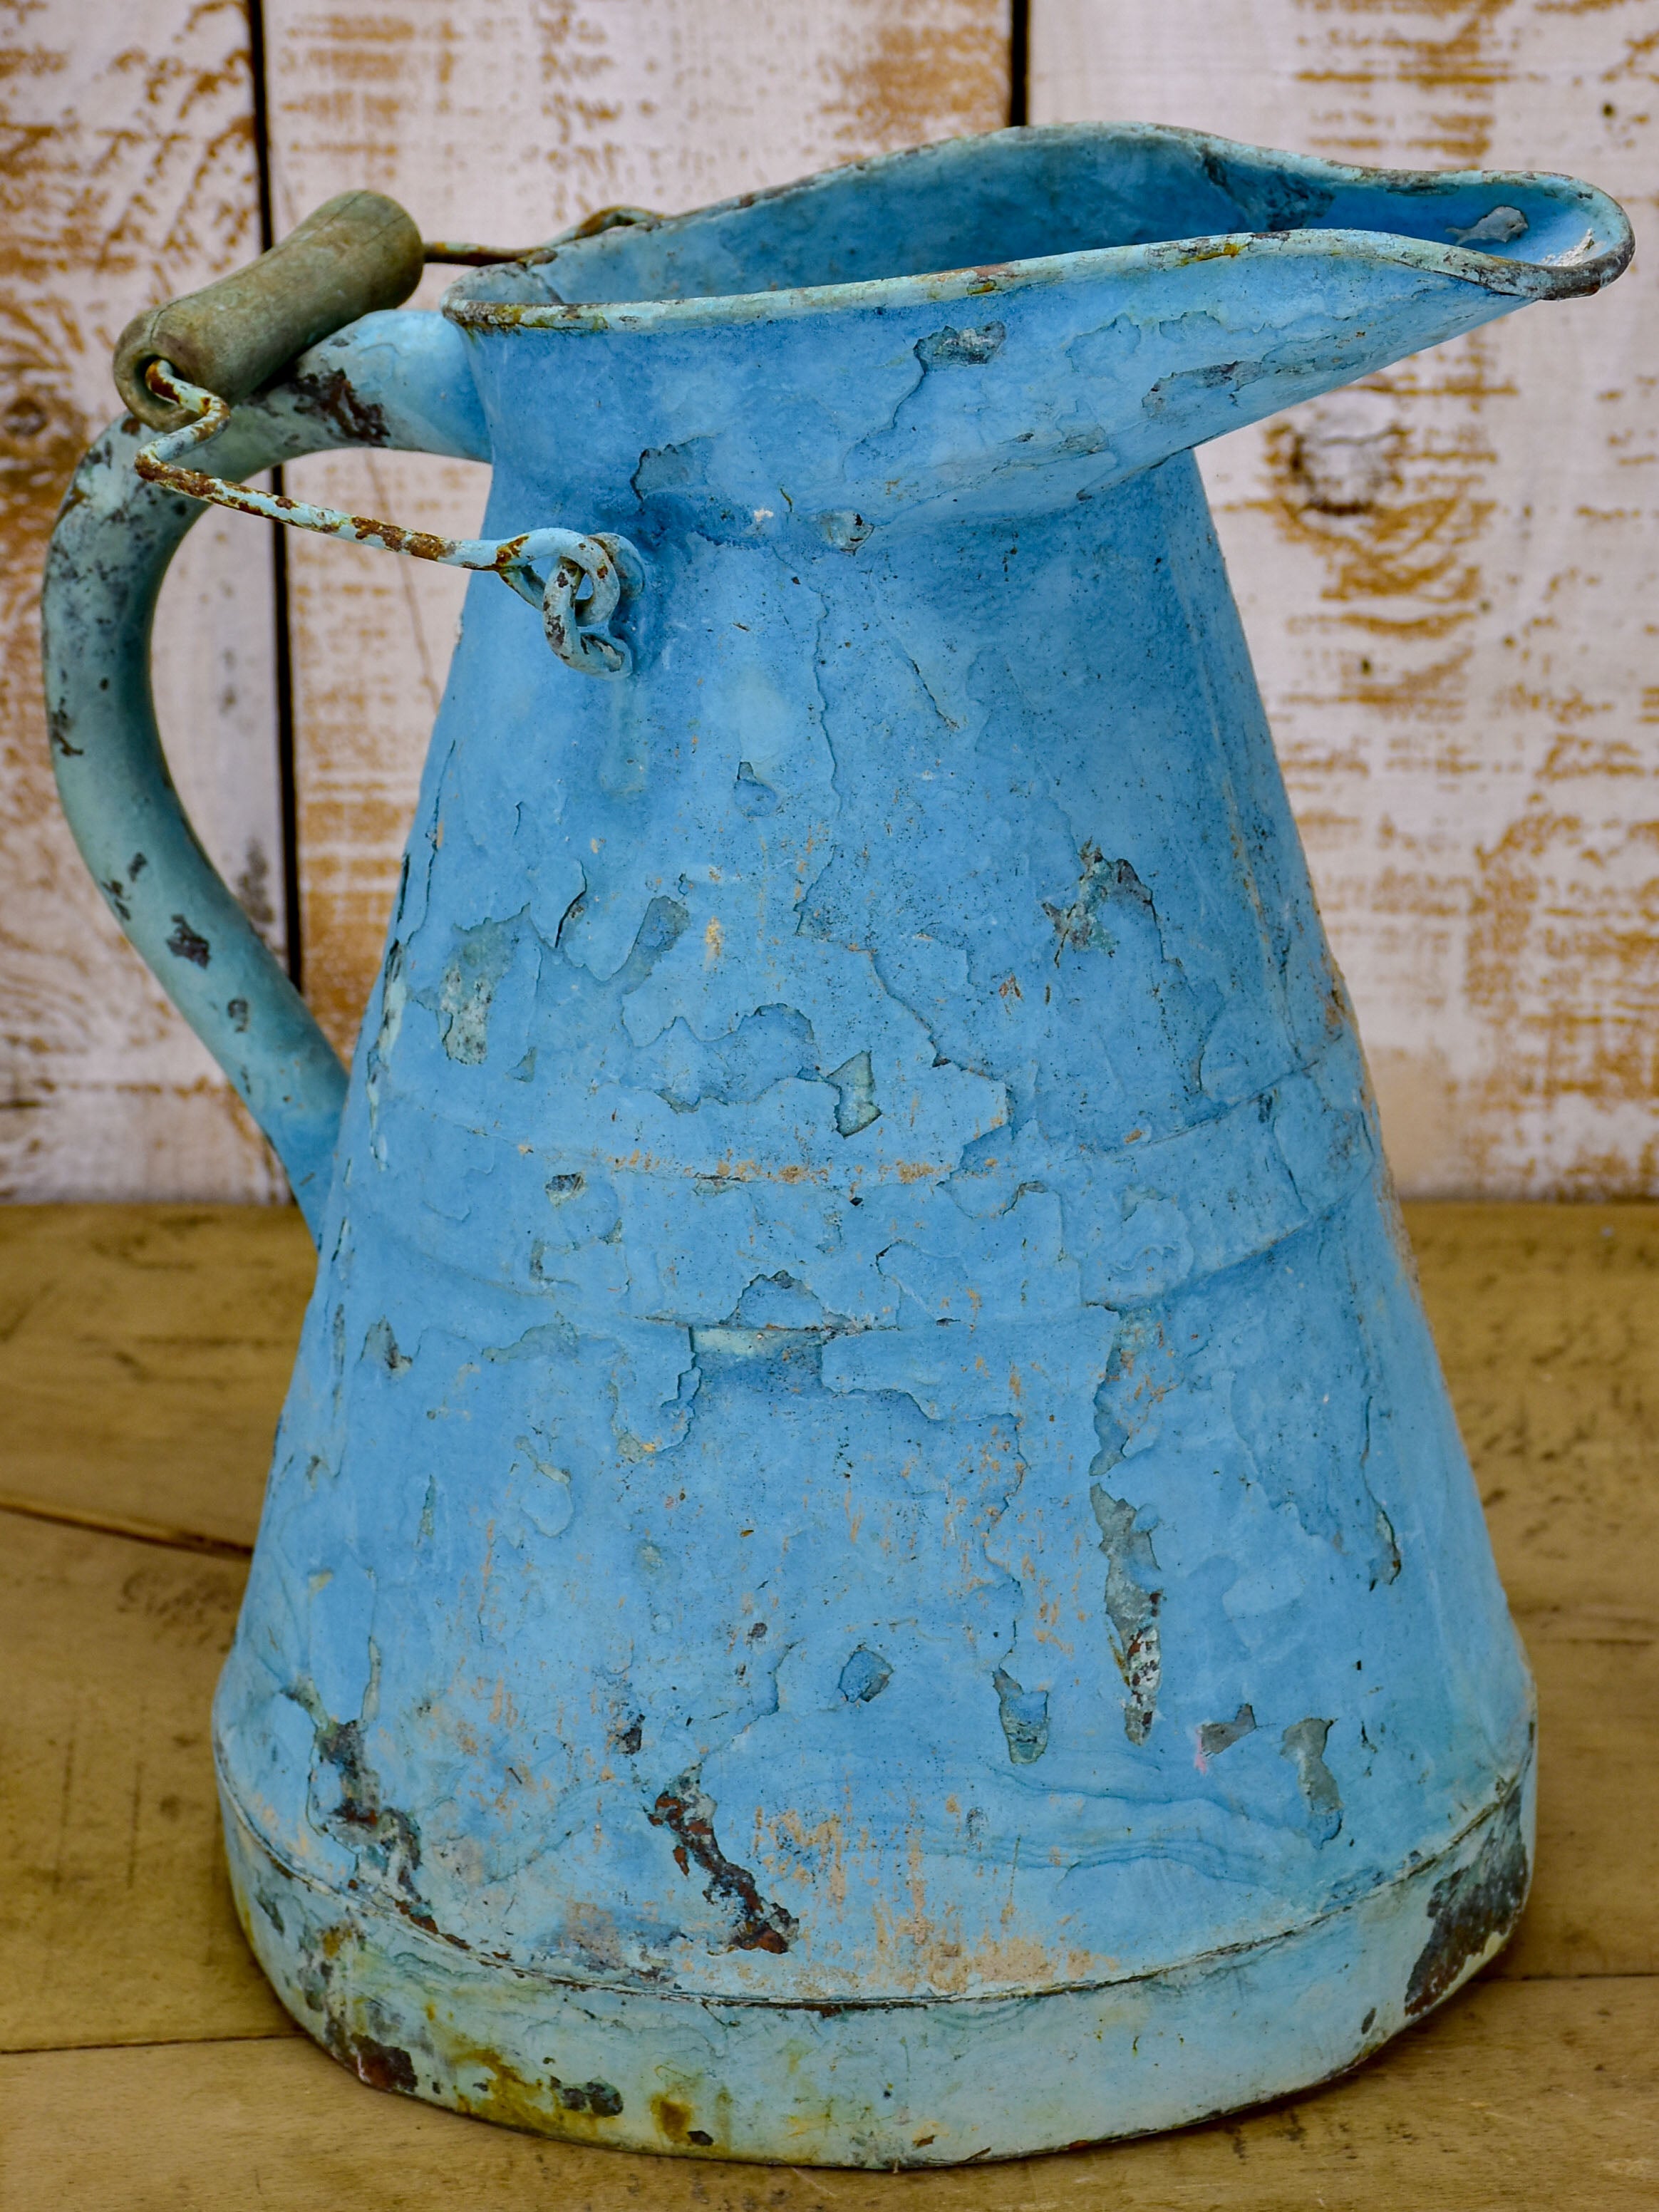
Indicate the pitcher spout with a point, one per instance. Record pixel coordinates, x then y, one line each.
994 326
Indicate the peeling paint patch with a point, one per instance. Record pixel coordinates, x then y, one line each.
542 1489
382 1835
1216 1736
963 349
844 530
598 2097
855 1085
1024 1716
1080 924
1304 1742
754 797
1496 228
187 943
865 1676
481 958
380 1344
1131 1608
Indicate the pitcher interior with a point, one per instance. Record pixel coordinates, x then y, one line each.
1022 195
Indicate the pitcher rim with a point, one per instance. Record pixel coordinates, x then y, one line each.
1548 279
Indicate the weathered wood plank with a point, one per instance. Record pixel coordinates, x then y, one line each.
1447 577
1548 1322
144 1357
504 126
116 1923
1520 2094
1594 1903
129 176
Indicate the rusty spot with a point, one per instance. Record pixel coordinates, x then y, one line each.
673 2120
490 2087
1471 1911
615 218
687 1811
333 398
598 2097
187 943
382 2065
421 544
57 733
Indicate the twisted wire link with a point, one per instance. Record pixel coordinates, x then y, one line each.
577 581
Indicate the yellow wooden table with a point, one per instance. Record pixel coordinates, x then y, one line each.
143 2063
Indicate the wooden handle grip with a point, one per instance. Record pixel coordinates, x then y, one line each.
356 253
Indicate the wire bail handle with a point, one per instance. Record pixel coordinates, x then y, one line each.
577 581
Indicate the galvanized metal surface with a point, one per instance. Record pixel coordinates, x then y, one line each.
865 1470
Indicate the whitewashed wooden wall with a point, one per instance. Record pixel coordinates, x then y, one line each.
1447 576
129 175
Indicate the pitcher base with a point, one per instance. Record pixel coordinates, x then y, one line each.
910 2083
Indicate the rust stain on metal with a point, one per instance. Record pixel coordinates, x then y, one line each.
332 397
687 1811
493 2089
1471 1912
382 2065
674 2116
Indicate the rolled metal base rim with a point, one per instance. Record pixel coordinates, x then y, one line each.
919 2083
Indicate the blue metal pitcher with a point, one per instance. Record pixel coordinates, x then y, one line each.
867 1562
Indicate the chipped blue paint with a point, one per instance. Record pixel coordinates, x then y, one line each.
867 1561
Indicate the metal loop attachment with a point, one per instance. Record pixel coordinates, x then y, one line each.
577 581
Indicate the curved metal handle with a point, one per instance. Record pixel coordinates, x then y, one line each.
408 376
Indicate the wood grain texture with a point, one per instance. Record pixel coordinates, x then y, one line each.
1540 2094
1448 576
129 175
504 125
116 1922
144 1354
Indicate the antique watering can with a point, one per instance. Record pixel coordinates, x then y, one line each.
867 1562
